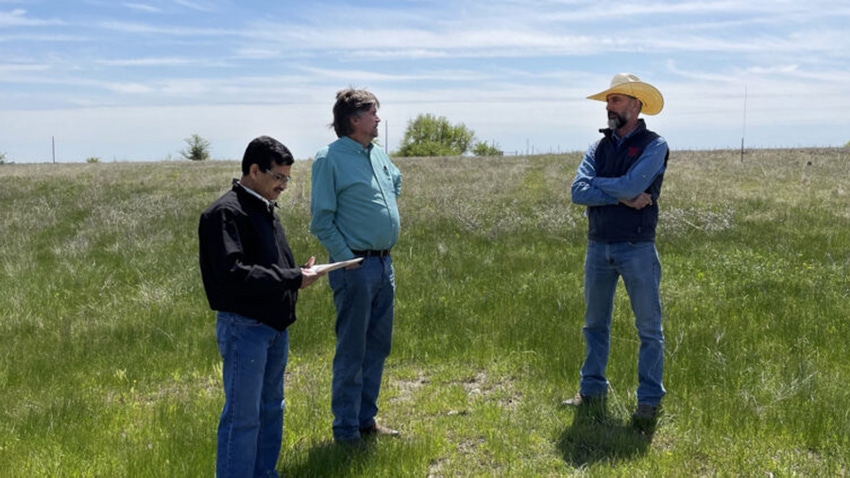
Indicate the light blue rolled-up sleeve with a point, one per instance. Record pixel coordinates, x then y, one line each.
638 178
583 191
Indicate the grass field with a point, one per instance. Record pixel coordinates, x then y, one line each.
108 362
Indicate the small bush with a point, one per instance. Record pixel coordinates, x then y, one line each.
198 150
481 148
429 135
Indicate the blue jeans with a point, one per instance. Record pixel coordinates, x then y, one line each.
364 326
640 269
251 426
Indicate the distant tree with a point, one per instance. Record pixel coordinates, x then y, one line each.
92 159
428 135
481 148
198 148
2 158
847 144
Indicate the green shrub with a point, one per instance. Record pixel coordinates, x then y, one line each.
198 148
428 135
481 148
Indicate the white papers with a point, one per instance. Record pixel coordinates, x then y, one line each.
322 268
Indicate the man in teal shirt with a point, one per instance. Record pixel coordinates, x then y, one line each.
355 214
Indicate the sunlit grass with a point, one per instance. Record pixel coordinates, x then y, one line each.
108 363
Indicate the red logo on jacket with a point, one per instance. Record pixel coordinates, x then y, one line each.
633 151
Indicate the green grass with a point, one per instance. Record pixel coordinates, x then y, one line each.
108 362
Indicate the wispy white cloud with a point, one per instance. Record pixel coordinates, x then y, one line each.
7 69
142 7
199 6
372 76
19 18
126 88
516 71
149 62
249 53
177 31
32 37
514 31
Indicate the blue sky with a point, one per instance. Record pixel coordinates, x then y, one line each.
130 80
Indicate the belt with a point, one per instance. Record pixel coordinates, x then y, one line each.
383 253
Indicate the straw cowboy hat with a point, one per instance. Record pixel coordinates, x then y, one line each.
630 85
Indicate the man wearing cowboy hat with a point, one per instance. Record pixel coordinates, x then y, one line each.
619 180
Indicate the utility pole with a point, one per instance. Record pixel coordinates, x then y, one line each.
53 147
744 131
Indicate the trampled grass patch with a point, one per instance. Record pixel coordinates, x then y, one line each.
108 362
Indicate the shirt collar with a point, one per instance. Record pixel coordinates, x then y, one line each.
355 146
270 204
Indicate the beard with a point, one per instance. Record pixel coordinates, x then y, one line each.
616 121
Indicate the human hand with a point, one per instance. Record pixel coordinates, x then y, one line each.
308 275
640 202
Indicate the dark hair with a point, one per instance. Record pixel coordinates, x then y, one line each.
351 102
264 151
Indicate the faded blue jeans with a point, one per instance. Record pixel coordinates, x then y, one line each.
364 327
638 265
250 429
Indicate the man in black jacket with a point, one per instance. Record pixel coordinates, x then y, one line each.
619 180
251 281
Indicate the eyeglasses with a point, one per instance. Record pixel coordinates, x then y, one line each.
281 178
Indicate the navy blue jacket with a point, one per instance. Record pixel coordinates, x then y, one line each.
617 222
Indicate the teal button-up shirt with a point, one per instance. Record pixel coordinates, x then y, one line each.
353 200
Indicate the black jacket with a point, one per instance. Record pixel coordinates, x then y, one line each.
246 264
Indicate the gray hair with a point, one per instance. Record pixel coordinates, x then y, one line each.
351 103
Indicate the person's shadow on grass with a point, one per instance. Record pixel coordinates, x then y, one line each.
332 460
597 436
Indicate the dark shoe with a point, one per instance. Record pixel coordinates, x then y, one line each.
582 401
645 418
378 431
